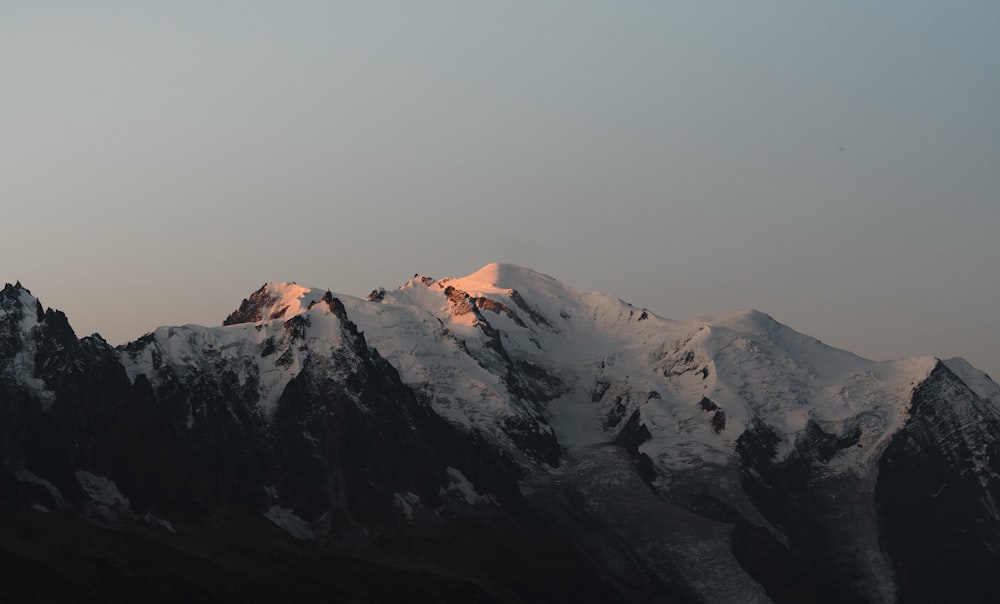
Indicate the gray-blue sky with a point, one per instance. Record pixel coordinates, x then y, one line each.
836 165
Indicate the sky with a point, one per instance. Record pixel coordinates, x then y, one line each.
835 165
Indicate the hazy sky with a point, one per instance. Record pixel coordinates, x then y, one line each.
836 165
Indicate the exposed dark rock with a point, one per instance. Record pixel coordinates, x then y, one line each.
536 316
683 363
718 415
757 446
719 421
250 310
616 413
499 308
633 434
600 388
534 438
707 404
811 508
10 322
296 326
937 492
460 302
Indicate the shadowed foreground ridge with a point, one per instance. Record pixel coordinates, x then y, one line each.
499 437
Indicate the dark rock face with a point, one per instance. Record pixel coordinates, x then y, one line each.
344 443
932 508
339 452
826 517
937 492
616 413
718 415
250 309
50 414
537 317
633 434
529 385
10 321
533 438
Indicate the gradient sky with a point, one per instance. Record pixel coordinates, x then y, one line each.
836 165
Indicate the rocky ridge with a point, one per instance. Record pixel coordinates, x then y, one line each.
695 460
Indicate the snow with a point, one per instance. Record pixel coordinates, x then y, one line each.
23 363
744 361
290 299
980 383
166 525
431 359
242 349
101 490
405 502
461 486
439 335
290 523
758 367
25 475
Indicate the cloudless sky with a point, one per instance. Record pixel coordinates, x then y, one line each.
836 165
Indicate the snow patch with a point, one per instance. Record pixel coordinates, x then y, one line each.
405 502
289 299
101 490
24 475
461 486
23 363
152 520
978 381
291 523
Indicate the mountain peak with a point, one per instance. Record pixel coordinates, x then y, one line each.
502 276
507 399
15 292
749 318
16 287
17 295
274 301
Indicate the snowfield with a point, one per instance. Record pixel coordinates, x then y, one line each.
696 384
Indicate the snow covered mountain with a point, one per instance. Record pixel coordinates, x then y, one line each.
516 438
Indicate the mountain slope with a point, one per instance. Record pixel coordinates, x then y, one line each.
700 460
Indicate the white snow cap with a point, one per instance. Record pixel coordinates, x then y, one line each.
290 299
499 276
600 359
